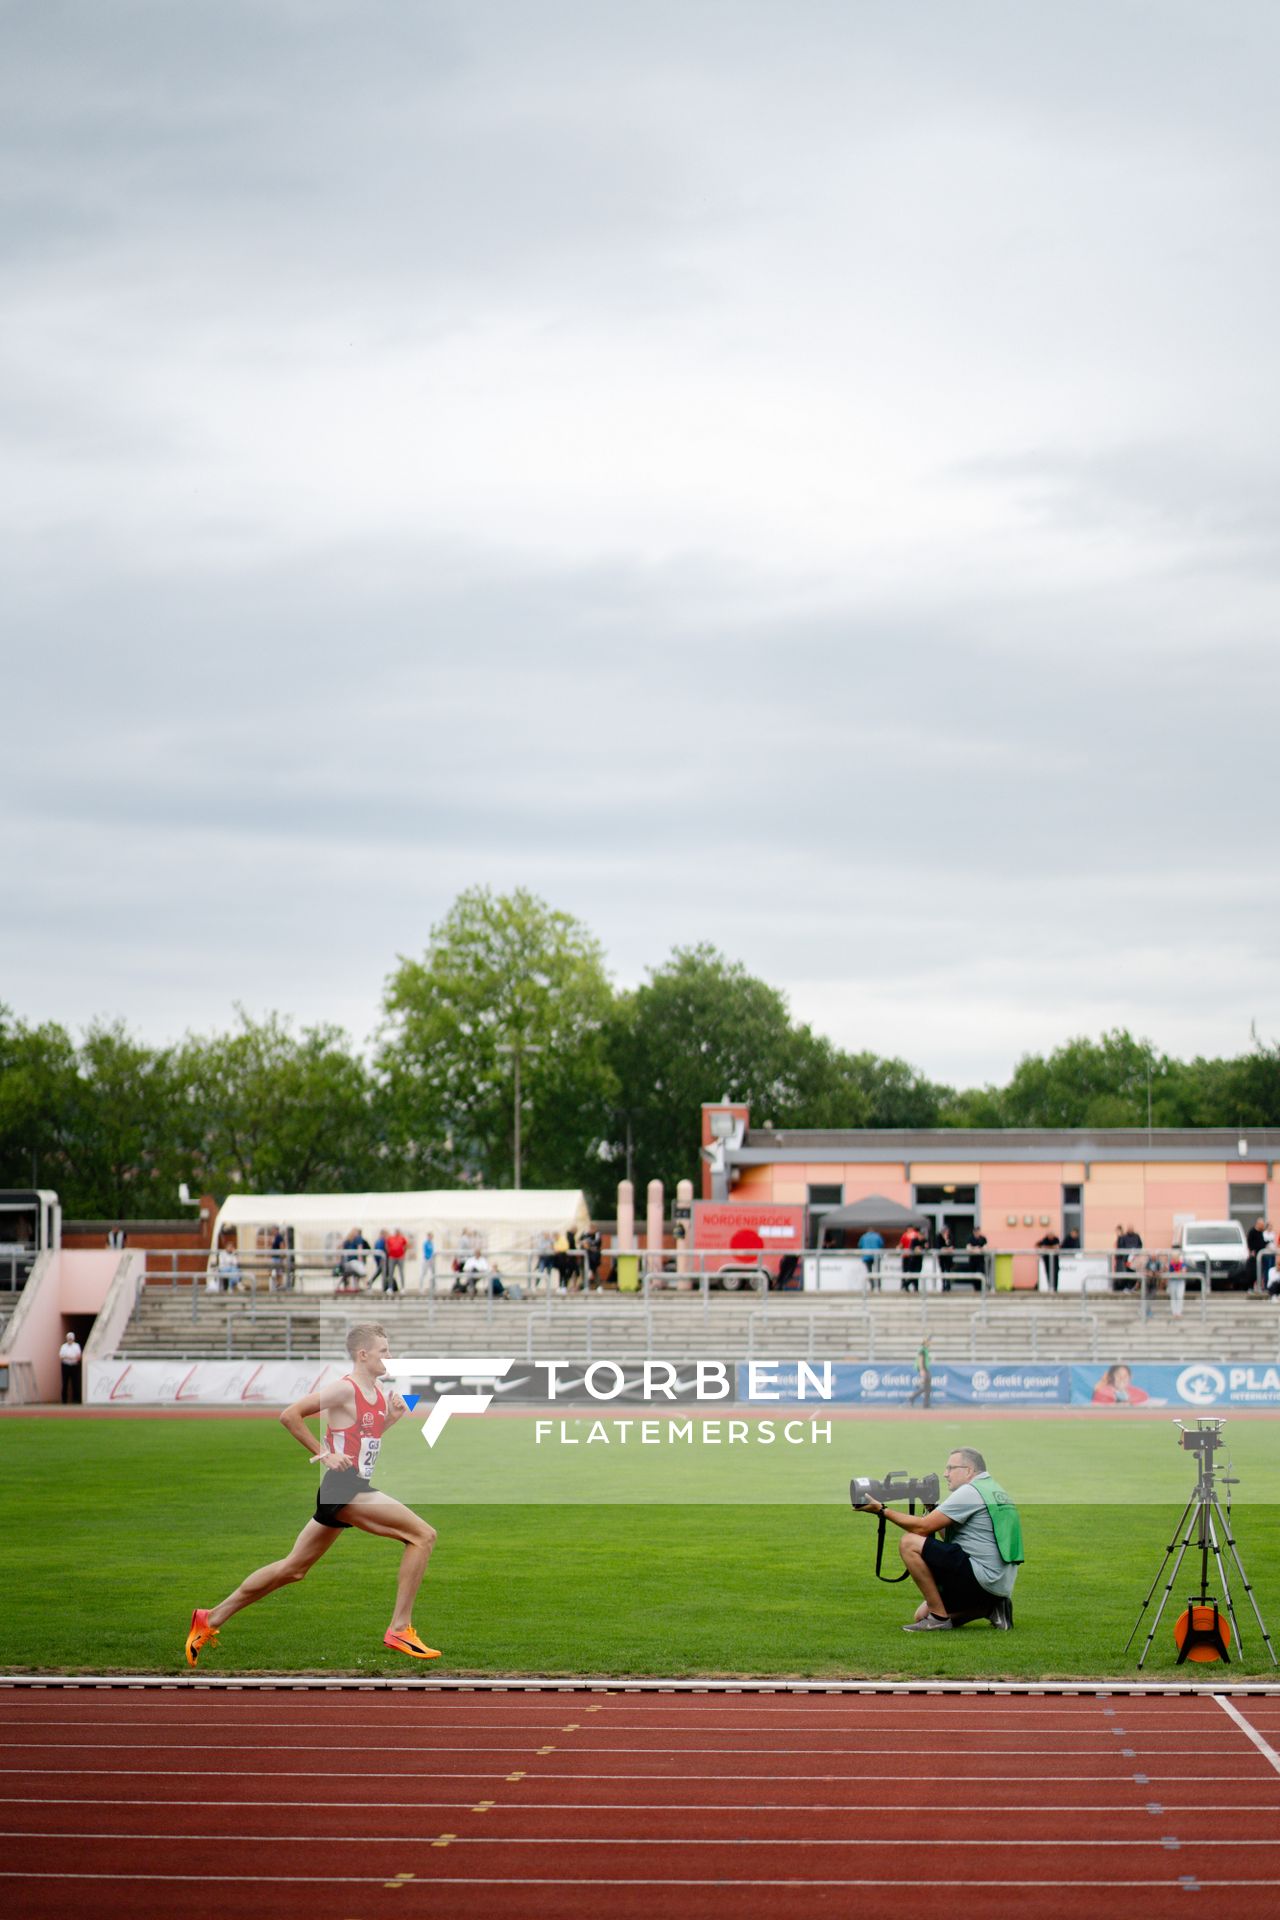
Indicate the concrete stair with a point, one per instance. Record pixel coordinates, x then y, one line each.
1002 1329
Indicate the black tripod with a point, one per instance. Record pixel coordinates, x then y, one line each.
1204 1521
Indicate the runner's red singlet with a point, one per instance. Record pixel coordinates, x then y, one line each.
361 1442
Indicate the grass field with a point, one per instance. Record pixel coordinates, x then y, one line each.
111 1530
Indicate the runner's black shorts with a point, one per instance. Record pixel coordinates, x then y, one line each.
952 1569
339 1485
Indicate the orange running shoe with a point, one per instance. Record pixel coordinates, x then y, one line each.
201 1635
405 1640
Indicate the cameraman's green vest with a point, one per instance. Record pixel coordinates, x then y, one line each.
1004 1519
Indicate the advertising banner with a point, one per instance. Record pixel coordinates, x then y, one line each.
892 1383
1198 1385
207 1383
757 1233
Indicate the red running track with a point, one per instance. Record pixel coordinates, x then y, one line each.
561 1806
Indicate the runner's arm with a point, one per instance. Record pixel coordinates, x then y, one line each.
294 1420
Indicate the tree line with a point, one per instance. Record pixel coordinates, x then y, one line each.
611 1081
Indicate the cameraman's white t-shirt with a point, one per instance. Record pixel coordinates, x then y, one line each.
971 1530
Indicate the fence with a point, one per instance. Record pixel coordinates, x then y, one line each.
1090 1272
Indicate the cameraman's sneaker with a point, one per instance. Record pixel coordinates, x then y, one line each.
932 1623
1001 1615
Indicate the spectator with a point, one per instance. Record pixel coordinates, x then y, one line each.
229 1275
593 1254
911 1246
976 1246
789 1273
279 1246
429 1258
1128 1242
354 1248
1071 1241
1256 1242
1267 1258
1049 1244
397 1247
871 1245
946 1256
543 1248
475 1274
1173 1276
69 1353
117 1238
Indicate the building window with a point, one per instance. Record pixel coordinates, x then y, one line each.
948 1206
821 1200
1073 1213
1246 1202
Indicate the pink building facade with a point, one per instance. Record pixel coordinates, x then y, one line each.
1014 1185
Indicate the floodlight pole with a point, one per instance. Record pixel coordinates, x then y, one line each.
517 1048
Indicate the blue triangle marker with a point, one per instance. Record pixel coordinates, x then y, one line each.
411 1400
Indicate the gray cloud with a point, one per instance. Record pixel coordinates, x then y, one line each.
799 477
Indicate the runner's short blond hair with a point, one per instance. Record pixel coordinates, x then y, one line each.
363 1334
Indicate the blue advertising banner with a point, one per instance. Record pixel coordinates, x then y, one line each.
892 1384
1197 1385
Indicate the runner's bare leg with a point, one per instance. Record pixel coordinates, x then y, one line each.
311 1543
378 1513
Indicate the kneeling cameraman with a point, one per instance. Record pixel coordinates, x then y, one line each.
970 1575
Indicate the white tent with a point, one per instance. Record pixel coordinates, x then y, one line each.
497 1220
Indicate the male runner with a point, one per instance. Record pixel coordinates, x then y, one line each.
358 1415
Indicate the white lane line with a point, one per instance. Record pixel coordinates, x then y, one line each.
1060 1886
551 1773
587 1840
1267 1751
587 1752
1098 1687
910 1808
803 1717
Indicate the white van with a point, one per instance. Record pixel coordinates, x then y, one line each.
1218 1248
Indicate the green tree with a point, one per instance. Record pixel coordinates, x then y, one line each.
38 1070
1096 1083
122 1146
502 974
271 1111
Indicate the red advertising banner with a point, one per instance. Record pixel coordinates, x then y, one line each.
757 1233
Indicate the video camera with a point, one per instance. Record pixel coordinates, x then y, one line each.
897 1489
1204 1438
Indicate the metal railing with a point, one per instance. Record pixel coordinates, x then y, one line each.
244 1280
983 1317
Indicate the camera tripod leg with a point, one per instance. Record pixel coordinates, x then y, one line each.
1229 1537
1215 1547
1164 1597
1177 1532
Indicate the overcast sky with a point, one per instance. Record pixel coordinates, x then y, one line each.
798 474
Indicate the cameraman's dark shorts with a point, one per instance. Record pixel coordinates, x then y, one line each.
337 1487
953 1570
